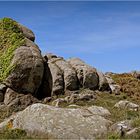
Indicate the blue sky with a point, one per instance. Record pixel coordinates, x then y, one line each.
106 35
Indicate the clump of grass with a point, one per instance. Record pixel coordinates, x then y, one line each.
136 122
113 136
11 38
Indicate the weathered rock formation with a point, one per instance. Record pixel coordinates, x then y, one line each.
23 70
74 74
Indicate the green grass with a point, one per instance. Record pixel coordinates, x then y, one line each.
113 136
136 122
108 101
10 39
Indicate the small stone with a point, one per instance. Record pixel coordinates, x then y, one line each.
124 104
47 99
99 111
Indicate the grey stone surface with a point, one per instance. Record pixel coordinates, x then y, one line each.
59 123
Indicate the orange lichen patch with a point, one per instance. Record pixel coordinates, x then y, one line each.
10 124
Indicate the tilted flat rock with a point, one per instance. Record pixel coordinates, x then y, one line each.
60 123
87 75
57 78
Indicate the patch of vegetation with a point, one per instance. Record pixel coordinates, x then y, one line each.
11 38
4 113
136 122
113 136
129 85
13 134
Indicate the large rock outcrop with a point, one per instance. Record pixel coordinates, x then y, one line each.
24 70
59 123
72 75
21 63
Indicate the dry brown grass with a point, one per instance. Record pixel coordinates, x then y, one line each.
129 85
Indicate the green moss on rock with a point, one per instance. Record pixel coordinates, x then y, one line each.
11 37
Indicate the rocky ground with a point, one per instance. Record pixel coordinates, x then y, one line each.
53 98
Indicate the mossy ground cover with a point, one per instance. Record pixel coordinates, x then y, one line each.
11 38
